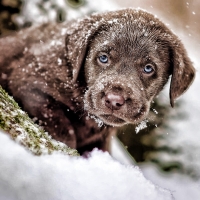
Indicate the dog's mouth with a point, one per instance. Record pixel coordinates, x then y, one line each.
111 119
116 120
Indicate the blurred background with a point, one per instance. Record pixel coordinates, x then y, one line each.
168 149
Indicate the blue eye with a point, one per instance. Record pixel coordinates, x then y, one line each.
103 59
148 69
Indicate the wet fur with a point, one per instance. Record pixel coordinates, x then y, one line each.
54 72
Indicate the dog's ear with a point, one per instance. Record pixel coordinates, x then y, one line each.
77 40
183 72
79 35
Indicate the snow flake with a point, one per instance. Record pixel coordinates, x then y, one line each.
59 61
71 132
63 31
140 126
52 43
155 111
97 120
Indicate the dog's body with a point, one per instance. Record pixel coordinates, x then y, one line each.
109 66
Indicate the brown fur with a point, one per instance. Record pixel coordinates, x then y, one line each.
54 72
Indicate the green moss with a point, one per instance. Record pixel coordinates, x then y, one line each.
22 129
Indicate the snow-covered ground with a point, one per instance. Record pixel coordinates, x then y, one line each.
182 187
25 176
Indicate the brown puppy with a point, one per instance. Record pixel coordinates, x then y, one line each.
108 66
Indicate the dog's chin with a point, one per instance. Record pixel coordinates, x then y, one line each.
118 121
112 120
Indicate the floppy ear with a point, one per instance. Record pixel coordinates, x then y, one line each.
183 72
77 40
79 35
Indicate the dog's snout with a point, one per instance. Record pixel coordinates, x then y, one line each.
114 101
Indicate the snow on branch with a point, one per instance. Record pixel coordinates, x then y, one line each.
23 130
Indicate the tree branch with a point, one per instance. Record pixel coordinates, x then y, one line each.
23 130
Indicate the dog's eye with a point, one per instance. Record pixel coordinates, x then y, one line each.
103 59
148 69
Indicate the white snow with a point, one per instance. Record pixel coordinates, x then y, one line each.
182 187
31 13
97 120
25 176
140 126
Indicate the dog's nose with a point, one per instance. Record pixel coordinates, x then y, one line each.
114 101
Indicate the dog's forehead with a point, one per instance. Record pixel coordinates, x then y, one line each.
131 27
127 36
127 42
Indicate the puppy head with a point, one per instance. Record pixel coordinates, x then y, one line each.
127 58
